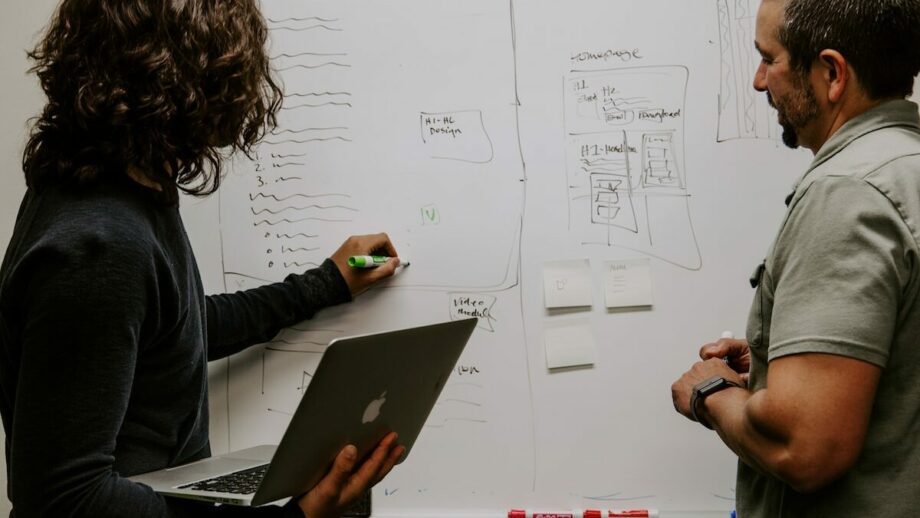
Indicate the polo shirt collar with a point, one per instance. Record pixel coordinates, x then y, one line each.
889 114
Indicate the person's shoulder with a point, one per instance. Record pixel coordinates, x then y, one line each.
103 220
881 153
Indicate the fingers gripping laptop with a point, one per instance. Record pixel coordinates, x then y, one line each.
363 388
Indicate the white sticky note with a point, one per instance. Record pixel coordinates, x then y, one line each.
628 283
567 284
569 345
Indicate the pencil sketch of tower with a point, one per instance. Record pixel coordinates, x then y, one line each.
743 112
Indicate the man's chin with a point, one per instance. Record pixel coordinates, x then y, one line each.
790 137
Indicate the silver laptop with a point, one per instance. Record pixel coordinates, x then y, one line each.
363 388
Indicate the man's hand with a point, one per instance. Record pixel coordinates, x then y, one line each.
359 279
344 483
735 353
701 371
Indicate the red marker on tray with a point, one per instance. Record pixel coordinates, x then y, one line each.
587 513
633 513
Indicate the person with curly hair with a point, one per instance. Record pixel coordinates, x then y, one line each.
105 331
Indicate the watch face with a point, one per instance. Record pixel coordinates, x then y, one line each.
706 387
711 384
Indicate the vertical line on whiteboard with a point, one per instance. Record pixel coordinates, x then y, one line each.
223 271
565 146
517 119
648 223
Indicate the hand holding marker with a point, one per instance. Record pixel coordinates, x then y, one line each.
371 261
729 335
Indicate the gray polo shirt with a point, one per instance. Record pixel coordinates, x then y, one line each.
843 277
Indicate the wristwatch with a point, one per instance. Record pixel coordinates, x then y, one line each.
704 389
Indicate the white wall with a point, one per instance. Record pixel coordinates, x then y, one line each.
21 99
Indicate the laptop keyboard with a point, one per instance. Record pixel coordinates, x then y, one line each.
239 482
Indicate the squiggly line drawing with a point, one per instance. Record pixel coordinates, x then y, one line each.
311 67
292 221
318 94
308 207
322 54
288 164
304 29
286 250
254 197
299 106
289 236
317 18
300 265
305 130
294 141
288 156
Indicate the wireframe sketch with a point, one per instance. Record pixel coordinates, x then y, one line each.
624 146
350 131
370 139
479 305
460 136
743 112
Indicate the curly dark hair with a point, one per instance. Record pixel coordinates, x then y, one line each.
160 87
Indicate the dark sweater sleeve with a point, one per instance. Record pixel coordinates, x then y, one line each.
84 310
239 320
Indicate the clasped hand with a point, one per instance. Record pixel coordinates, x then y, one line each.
728 357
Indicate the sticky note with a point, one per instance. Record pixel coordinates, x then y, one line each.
628 283
567 284
569 344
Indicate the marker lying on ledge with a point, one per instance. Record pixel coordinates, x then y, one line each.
371 261
587 513
633 513
577 513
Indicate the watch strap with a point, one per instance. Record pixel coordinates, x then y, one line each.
704 389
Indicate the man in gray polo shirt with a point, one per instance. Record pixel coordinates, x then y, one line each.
821 402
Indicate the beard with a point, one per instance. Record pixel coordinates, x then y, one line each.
796 109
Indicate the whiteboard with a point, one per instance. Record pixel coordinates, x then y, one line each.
489 138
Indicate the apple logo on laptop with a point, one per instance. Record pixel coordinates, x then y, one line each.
372 412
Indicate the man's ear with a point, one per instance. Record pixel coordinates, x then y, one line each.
835 73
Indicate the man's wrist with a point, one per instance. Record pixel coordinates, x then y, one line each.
703 390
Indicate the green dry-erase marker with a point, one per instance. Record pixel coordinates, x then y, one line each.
367 261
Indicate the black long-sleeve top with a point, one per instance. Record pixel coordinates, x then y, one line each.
105 337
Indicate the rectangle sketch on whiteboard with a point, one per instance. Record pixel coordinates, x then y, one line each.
401 137
624 147
743 112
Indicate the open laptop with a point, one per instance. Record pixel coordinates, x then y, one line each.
364 387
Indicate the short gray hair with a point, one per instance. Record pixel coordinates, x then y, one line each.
879 38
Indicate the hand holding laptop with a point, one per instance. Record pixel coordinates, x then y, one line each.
347 480
388 391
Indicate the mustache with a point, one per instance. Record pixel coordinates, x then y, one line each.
770 100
